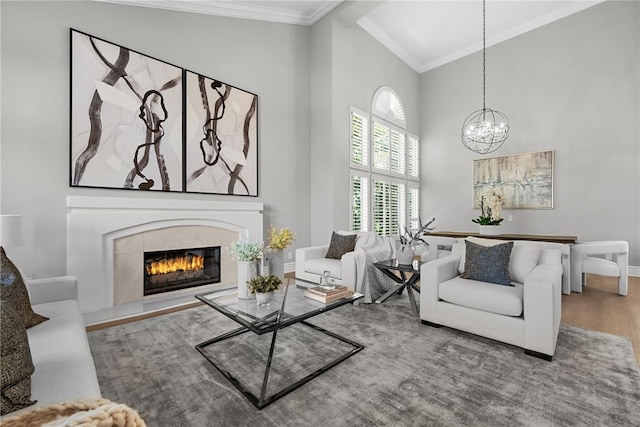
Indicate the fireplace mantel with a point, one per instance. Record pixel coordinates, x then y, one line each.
93 223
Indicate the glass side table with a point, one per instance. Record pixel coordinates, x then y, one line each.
405 275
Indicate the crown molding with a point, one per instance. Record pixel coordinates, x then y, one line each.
238 10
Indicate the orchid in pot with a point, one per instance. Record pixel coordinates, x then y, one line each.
490 210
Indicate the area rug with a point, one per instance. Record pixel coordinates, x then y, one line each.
408 374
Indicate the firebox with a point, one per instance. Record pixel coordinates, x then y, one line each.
171 270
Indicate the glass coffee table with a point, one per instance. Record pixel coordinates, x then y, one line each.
289 308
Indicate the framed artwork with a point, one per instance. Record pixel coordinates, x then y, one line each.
525 180
126 118
221 128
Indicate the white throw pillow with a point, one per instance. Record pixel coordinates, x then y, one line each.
458 249
485 242
524 259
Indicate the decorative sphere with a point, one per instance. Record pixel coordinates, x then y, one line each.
484 131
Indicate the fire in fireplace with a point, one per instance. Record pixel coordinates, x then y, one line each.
171 270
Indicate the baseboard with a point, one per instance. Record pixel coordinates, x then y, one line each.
634 271
289 267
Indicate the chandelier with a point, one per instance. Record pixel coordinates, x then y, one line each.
484 131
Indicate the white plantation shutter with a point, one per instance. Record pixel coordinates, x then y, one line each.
397 151
359 203
359 138
413 206
380 207
413 157
381 137
388 207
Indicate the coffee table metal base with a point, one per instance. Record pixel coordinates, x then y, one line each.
263 400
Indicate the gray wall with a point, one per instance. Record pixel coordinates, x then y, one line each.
271 60
563 86
348 66
572 86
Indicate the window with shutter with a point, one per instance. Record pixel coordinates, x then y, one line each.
384 189
359 202
359 138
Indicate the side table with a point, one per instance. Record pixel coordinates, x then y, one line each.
398 273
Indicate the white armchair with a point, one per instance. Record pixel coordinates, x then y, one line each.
591 258
526 314
311 264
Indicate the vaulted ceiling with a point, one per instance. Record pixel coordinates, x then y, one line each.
423 33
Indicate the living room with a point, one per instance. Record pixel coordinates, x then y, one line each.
570 86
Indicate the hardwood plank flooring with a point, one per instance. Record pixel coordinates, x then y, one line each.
600 308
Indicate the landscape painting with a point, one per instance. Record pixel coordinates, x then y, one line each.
221 138
525 180
126 118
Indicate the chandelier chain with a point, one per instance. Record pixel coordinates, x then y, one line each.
484 56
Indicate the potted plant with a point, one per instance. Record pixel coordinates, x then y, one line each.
247 252
263 288
490 209
406 252
278 240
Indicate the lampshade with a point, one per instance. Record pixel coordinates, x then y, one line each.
10 230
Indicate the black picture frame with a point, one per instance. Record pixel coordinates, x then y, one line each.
126 118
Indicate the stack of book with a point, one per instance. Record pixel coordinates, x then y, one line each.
327 295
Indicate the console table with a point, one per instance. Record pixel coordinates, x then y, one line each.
569 240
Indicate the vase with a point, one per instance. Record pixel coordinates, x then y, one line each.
405 254
247 270
263 298
490 230
275 261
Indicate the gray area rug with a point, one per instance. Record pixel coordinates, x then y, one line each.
409 374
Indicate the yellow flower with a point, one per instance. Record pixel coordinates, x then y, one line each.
280 239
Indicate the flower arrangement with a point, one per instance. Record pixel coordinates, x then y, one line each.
409 238
264 284
490 208
246 250
280 239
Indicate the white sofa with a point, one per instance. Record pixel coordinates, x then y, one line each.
64 368
311 264
526 315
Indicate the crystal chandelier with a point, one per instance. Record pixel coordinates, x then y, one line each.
484 131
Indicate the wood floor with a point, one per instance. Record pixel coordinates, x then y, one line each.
600 308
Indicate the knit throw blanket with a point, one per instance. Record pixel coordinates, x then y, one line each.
370 281
81 413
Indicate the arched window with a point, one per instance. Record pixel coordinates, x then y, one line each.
385 181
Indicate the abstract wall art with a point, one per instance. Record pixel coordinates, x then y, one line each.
525 180
126 118
221 149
